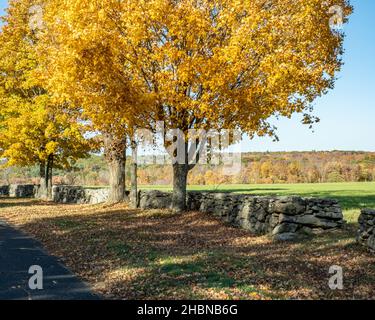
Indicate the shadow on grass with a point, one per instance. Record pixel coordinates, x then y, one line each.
348 202
194 256
243 191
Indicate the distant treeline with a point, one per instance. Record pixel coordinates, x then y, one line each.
257 168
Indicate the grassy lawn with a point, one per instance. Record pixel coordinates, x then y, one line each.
133 254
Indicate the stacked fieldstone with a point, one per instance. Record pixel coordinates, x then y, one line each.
4 191
22 190
68 194
154 199
60 194
96 196
285 218
79 195
366 233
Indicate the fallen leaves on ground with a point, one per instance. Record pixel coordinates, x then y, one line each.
134 254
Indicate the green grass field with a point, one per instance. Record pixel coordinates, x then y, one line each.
352 196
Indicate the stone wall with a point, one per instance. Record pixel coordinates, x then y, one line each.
366 232
60 194
4 191
154 199
19 191
285 218
79 195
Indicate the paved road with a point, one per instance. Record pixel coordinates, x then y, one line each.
18 252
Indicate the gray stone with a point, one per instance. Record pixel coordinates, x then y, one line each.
289 206
315 222
79 195
22 191
259 215
306 231
96 196
285 228
262 215
283 218
291 236
4 191
335 215
366 230
274 220
371 242
370 222
369 212
287 218
157 200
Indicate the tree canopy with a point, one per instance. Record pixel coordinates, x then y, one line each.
33 130
197 63
202 64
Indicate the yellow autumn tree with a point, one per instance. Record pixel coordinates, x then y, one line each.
32 130
199 64
84 69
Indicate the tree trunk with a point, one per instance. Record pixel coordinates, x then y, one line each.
42 192
180 173
49 177
45 191
115 154
134 176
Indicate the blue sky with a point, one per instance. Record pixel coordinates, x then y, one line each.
347 113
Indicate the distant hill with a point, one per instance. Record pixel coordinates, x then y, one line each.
257 167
